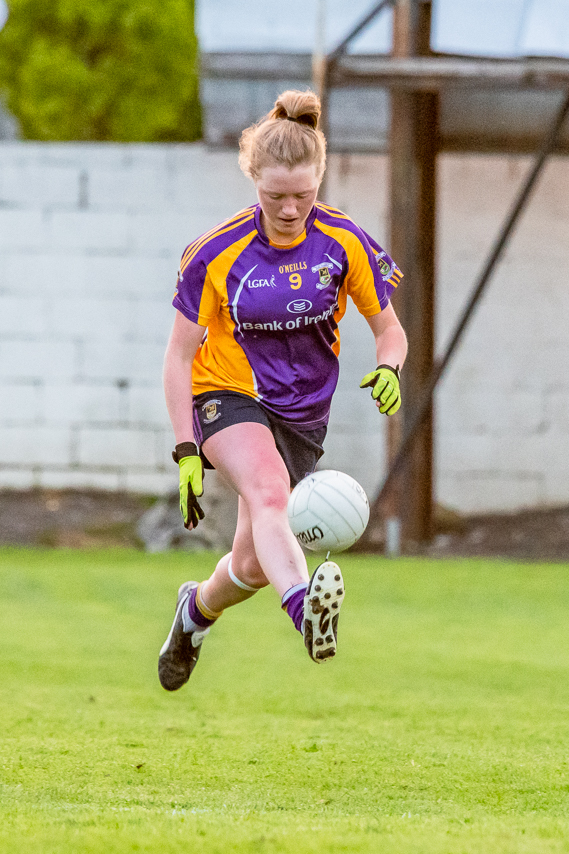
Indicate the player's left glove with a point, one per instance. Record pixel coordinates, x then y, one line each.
191 482
384 384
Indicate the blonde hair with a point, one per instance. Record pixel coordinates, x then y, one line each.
287 136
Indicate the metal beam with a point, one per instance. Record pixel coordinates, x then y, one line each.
341 49
432 74
424 407
419 73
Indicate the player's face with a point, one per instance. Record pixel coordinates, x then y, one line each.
286 197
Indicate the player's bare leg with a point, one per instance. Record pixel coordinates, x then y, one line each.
238 575
264 551
267 550
246 455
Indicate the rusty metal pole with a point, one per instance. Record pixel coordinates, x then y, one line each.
413 149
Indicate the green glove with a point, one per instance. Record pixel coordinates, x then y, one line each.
384 384
191 482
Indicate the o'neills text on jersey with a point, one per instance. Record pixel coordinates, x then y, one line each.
292 268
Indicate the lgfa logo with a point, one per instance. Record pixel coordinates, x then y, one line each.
262 283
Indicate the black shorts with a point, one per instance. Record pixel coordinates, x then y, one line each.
300 449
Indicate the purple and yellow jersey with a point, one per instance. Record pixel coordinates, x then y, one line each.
272 311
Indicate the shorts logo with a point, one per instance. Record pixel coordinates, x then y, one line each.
299 305
324 276
210 410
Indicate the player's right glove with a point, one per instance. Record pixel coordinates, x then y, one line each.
384 384
191 482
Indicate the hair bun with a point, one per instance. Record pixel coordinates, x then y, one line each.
274 140
301 107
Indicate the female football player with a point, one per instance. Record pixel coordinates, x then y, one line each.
251 367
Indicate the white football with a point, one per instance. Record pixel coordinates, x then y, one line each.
328 510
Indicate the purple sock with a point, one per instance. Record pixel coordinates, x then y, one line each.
293 604
195 614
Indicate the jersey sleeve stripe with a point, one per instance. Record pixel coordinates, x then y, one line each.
206 238
360 280
239 218
331 211
236 217
395 278
236 220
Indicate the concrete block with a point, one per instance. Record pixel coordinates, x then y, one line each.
113 360
25 359
469 370
93 318
38 445
55 275
88 231
27 230
165 443
17 478
120 447
215 179
349 179
499 414
80 403
139 275
359 455
187 157
551 359
353 410
146 188
83 478
152 320
490 491
20 315
556 411
20 403
556 489
81 154
144 156
460 454
31 184
3 274
168 232
146 405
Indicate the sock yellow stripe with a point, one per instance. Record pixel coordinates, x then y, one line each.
202 607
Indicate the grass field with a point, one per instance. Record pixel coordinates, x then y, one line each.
441 728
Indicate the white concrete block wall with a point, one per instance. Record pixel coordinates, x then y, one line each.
502 440
90 240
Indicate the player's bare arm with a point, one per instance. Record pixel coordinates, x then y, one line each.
183 345
185 339
391 350
390 339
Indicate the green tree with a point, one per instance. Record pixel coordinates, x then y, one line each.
124 70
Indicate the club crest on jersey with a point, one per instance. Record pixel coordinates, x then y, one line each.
385 268
324 276
210 410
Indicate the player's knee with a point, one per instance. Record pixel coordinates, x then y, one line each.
270 495
248 570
